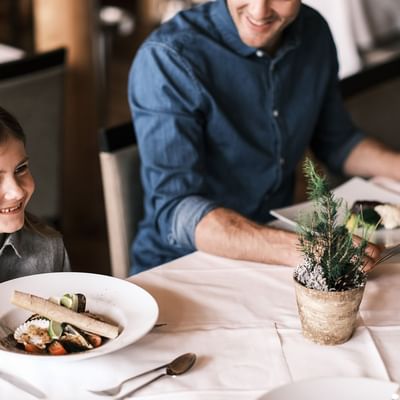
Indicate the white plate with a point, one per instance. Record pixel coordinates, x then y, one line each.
338 388
130 307
351 191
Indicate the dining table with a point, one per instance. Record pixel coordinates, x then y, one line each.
241 320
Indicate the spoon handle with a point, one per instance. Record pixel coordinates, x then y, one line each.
391 251
144 373
142 386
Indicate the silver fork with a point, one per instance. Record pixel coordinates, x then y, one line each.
178 366
116 389
390 253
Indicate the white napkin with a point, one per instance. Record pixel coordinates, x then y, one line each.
356 358
248 360
380 304
387 339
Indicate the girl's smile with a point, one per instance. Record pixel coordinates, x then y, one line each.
11 210
16 184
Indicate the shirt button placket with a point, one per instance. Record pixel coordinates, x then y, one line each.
260 53
275 114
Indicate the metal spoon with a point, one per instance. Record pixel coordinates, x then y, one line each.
178 366
388 253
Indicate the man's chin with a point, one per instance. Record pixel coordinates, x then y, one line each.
257 41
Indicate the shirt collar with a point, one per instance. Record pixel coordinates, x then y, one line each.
14 241
225 25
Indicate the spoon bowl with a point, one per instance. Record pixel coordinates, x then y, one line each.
181 364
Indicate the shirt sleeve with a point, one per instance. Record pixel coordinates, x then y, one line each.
335 135
168 107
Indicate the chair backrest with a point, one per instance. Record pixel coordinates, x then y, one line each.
123 193
32 88
372 97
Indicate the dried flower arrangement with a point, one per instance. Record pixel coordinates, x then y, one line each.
332 261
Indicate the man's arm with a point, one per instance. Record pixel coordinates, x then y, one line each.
226 233
371 158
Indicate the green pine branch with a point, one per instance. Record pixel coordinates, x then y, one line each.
328 246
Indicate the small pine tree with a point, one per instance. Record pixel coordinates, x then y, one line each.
332 261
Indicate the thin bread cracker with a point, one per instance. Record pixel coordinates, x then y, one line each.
61 314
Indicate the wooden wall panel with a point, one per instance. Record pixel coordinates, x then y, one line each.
74 24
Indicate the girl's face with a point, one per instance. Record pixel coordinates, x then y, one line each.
16 184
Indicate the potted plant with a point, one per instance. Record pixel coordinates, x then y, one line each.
330 281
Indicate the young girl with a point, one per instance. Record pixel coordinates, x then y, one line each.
27 246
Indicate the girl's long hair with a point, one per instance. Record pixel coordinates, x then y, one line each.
10 127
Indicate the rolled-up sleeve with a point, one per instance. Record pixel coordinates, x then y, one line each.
187 215
168 116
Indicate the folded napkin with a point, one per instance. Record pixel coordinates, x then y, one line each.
248 360
359 357
386 339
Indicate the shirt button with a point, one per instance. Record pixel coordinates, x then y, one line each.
275 113
259 53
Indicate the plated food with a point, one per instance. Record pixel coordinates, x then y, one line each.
59 326
373 214
353 190
121 302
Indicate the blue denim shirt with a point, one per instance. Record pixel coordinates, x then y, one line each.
219 123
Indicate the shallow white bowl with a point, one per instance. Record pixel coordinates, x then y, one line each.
130 307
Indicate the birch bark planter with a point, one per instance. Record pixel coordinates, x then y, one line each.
328 317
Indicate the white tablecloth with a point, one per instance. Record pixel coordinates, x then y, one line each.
241 320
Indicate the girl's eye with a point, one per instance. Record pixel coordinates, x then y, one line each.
21 169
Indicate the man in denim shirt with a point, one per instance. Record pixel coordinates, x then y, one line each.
225 98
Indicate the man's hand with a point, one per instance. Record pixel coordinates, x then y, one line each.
373 253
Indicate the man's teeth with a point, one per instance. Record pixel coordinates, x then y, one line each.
8 210
261 22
